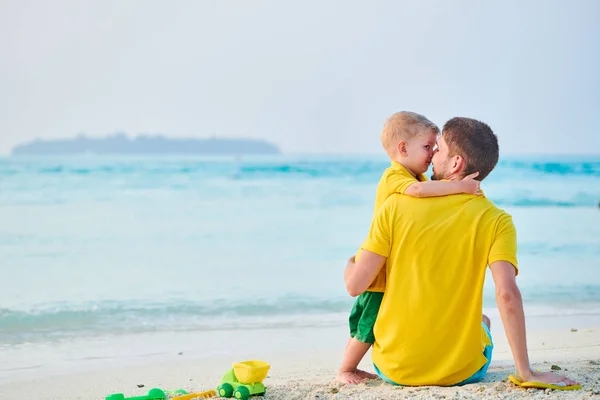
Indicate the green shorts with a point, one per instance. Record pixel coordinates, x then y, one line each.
363 315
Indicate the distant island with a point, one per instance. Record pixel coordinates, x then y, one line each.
120 144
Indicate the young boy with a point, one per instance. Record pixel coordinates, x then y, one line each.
409 140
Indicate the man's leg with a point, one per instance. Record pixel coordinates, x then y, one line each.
486 321
487 352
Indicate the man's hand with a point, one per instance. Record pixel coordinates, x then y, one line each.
547 377
470 185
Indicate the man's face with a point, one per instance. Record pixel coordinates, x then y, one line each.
440 160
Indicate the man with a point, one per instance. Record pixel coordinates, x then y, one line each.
429 329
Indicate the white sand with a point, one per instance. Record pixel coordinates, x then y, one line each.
302 374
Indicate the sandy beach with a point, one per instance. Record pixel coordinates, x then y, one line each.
307 373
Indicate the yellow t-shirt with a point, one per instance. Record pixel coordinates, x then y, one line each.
395 179
428 330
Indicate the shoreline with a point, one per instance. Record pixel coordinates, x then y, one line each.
90 353
303 365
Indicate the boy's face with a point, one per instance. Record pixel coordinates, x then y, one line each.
419 151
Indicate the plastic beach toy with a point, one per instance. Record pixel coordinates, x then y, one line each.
244 380
173 393
200 395
153 394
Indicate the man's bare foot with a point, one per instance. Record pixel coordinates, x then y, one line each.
366 375
350 377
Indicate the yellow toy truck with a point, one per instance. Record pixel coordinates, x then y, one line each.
244 380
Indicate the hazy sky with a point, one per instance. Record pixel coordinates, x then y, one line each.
310 76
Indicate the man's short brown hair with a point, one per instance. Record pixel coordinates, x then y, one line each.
404 125
475 142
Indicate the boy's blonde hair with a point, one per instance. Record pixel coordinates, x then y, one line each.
404 125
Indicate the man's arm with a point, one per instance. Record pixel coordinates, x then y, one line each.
510 305
359 275
444 188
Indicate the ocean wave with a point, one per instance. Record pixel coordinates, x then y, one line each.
515 182
275 166
583 201
63 320
284 305
580 167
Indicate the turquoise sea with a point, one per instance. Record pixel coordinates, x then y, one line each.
97 248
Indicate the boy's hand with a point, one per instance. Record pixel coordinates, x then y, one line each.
470 185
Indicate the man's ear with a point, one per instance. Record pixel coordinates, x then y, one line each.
402 148
457 165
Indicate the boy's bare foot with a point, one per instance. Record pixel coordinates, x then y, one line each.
350 377
354 377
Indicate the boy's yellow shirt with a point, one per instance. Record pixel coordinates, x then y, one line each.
395 179
428 330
